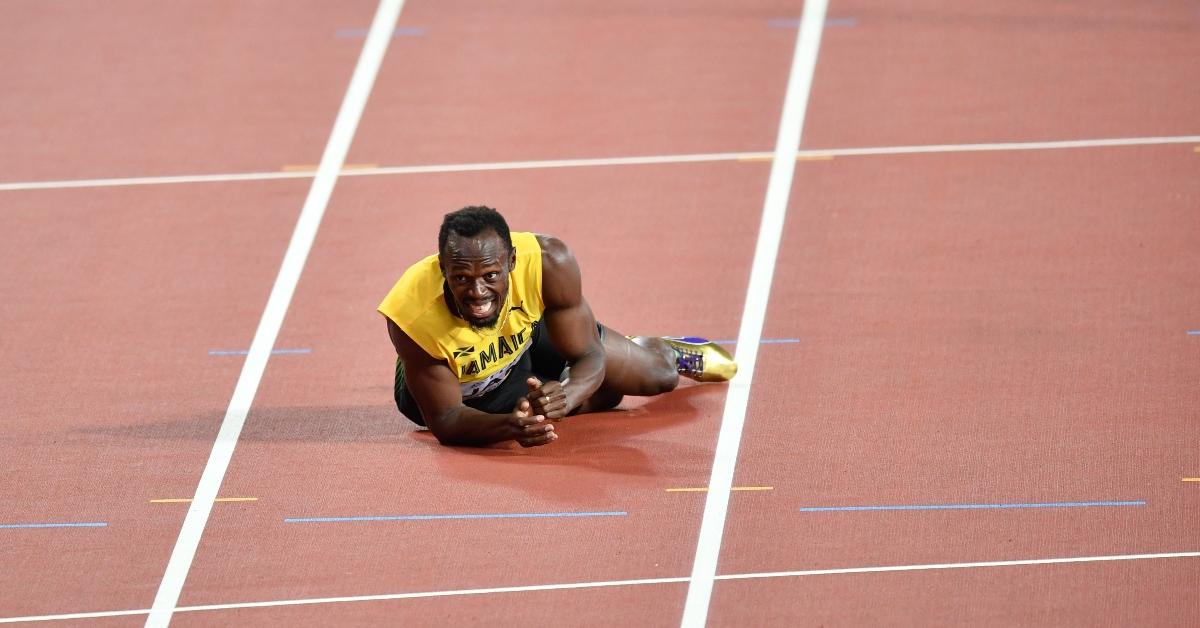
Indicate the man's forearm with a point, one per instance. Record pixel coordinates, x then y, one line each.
467 426
581 379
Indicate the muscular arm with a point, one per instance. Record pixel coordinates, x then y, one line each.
570 322
436 390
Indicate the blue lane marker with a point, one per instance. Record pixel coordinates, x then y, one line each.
521 515
247 351
81 524
1194 332
361 33
794 23
764 341
972 506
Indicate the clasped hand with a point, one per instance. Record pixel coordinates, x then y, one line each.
543 401
548 399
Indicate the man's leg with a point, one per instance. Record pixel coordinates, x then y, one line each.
642 366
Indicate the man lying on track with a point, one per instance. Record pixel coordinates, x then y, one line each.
495 340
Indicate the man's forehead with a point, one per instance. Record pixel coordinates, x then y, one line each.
485 247
483 244
463 261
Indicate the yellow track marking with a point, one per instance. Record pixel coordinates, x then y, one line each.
1191 479
704 489
313 167
188 500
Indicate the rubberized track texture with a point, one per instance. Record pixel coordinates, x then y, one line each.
954 246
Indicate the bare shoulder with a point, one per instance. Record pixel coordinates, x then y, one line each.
554 251
561 280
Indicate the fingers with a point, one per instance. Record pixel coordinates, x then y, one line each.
552 407
534 431
528 420
536 441
548 399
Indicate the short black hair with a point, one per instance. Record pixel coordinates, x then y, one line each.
470 221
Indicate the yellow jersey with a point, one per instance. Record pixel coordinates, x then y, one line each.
482 358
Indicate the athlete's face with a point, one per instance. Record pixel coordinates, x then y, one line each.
476 270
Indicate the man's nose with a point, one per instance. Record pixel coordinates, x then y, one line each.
478 287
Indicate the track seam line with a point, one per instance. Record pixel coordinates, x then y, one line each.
606 161
344 126
1004 146
609 583
758 292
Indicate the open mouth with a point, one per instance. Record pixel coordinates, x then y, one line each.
479 311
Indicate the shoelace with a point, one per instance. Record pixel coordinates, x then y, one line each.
689 362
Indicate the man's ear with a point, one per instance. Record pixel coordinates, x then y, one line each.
512 259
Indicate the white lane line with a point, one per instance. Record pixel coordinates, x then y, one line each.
1005 146
558 163
167 180
977 565
779 187
277 305
358 598
358 172
606 583
605 161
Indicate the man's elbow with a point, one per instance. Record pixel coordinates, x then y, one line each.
449 431
443 430
449 438
453 440
446 441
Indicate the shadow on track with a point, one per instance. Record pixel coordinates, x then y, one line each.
317 424
593 446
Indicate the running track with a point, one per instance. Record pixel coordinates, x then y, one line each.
977 357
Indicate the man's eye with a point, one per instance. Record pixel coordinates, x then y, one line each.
491 276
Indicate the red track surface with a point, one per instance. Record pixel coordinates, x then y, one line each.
984 328
143 88
113 298
1000 377
506 81
937 72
